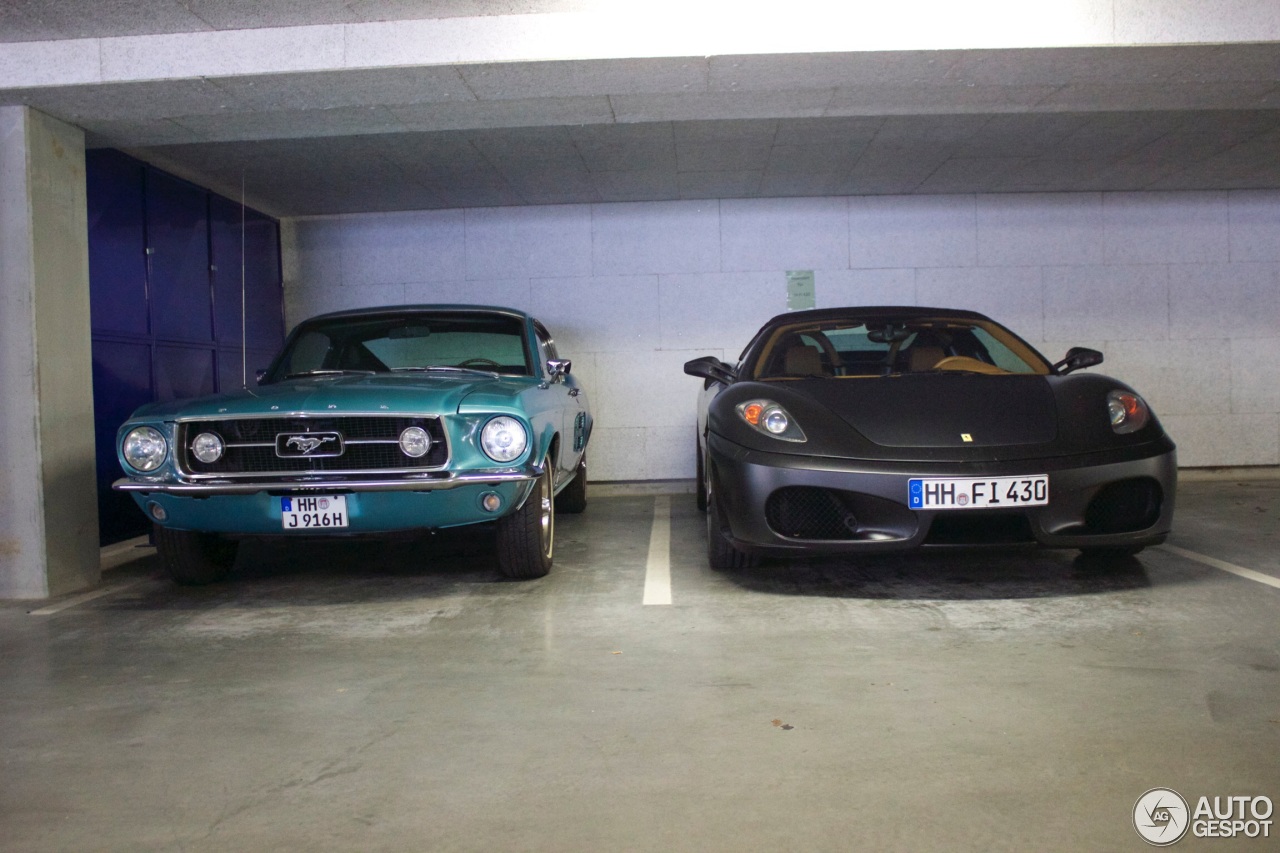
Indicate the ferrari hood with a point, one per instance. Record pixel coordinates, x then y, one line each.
410 393
941 410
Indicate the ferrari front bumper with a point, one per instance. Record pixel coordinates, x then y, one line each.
783 504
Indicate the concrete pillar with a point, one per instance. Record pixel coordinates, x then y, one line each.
48 504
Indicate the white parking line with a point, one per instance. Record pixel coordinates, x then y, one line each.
657 569
1241 571
88 596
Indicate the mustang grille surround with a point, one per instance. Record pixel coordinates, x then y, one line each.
263 447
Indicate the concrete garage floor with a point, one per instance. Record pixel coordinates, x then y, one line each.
402 697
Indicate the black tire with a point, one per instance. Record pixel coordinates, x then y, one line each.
573 497
526 538
192 558
720 553
700 486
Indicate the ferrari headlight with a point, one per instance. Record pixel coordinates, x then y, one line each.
144 448
771 419
1128 411
504 439
207 447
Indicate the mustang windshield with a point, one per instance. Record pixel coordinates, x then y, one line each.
892 347
493 343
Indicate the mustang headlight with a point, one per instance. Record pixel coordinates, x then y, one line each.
207 447
503 439
415 442
771 419
1128 411
144 448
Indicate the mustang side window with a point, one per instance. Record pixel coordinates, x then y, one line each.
309 352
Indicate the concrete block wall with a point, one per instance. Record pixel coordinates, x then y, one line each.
1181 291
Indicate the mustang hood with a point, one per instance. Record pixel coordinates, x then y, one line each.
940 410
416 393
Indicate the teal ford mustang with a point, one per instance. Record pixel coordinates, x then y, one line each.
371 421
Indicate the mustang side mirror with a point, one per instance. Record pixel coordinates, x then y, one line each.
558 367
710 367
260 374
1078 358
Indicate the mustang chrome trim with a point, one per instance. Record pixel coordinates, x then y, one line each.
331 483
357 472
302 415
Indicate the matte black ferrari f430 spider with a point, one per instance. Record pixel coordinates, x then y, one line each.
862 430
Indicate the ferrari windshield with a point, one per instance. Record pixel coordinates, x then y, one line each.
881 346
447 342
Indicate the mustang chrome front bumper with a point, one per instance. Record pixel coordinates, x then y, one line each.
331 484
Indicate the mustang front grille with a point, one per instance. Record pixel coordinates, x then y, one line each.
369 443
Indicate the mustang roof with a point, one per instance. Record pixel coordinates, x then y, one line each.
381 310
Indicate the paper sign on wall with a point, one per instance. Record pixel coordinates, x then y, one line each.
800 290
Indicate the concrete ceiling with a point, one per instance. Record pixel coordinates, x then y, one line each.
1157 117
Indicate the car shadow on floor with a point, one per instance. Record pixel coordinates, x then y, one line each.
318 572
959 575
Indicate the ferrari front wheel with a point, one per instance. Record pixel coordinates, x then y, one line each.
720 551
700 484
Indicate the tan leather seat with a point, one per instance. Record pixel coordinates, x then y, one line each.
804 361
923 358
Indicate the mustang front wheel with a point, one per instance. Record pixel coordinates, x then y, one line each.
192 558
526 538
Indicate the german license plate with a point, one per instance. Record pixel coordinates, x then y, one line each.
988 493
313 512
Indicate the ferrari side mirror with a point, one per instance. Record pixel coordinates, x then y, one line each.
1078 358
710 367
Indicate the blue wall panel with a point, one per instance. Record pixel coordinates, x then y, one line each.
121 383
117 243
233 366
183 371
229 229
165 271
178 247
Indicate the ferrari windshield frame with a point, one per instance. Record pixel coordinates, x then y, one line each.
877 346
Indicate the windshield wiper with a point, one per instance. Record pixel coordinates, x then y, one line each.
448 368
328 372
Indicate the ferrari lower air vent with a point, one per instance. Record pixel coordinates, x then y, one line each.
813 513
1124 507
802 512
